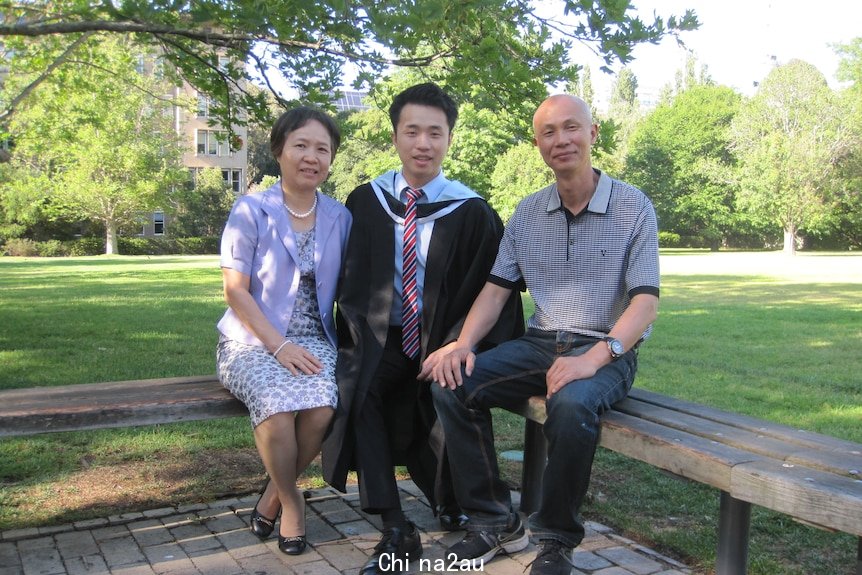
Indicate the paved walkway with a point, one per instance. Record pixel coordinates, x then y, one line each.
214 539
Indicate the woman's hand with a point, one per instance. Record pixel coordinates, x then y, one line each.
298 359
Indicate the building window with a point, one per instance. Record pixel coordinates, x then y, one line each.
204 105
159 223
213 143
232 178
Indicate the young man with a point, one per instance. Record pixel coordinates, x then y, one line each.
419 251
586 247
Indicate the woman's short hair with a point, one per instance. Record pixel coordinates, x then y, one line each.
296 118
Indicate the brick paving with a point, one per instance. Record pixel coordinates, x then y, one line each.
214 539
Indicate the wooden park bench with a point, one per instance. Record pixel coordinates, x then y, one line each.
813 478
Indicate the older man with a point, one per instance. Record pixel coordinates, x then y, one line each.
586 247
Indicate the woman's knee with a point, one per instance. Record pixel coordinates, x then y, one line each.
316 417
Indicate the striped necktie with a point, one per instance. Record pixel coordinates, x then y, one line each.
409 289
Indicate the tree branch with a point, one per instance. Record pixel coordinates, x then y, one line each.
211 37
62 58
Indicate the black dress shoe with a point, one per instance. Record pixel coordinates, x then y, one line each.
292 545
396 548
452 519
260 525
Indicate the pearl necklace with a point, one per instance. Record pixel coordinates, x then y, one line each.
306 214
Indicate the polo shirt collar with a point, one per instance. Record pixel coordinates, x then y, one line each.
598 203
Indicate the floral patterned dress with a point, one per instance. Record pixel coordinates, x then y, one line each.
257 379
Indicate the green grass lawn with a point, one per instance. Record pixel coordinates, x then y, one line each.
759 334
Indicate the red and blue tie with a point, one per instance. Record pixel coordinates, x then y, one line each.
410 290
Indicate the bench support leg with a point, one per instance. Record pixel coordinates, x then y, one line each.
733 526
535 457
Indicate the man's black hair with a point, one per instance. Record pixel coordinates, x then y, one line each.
428 94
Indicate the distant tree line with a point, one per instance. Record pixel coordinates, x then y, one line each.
90 152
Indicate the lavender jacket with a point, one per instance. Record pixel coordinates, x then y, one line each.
258 241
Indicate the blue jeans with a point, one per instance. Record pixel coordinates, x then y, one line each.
506 376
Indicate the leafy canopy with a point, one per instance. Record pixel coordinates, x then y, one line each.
499 52
89 148
788 138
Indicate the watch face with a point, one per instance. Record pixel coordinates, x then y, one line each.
617 347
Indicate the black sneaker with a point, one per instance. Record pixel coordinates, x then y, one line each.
477 547
553 558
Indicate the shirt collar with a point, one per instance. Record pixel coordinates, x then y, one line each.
432 189
598 203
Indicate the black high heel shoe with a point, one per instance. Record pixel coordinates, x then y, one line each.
260 525
292 545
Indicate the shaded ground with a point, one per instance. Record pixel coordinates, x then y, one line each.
160 481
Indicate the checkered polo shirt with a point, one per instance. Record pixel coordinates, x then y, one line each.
581 270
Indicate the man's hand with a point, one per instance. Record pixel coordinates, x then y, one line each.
447 372
434 358
565 370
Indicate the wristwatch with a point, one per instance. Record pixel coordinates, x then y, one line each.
615 346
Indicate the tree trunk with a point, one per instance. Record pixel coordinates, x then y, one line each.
111 246
790 240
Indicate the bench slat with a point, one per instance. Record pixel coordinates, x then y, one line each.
819 498
115 404
681 453
799 436
840 462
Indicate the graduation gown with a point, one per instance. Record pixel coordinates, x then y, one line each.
461 253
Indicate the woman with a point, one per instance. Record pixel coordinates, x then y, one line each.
280 256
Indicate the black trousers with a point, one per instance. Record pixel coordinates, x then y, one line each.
391 430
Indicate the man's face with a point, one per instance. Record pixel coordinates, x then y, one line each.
564 133
422 139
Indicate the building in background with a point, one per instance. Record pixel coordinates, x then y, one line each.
207 146
350 100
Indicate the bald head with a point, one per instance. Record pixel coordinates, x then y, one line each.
569 102
564 132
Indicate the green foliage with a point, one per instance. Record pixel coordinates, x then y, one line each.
518 173
624 96
366 154
260 160
669 240
169 246
52 248
22 247
788 138
680 156
89 147
86 247
266 182
498 52
202 209
624 113
846 217
481 137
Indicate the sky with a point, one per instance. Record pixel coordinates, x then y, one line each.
738 40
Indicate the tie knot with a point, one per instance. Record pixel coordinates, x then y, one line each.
413 195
